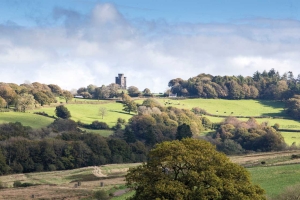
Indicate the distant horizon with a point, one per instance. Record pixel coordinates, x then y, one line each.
74 43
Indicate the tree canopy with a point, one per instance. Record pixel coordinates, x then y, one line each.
190 169
62 112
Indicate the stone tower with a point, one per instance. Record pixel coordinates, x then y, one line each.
121 81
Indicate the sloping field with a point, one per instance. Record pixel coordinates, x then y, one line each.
62 184
27 119
229 107
276 178
87 113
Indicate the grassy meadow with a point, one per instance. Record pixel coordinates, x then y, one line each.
275 179
87 113
230 107
27 119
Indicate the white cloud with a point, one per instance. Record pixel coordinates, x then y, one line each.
94 48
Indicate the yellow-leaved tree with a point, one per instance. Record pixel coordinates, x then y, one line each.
191 169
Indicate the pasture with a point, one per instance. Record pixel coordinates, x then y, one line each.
27 119
62 184
87 113
275 179
229 107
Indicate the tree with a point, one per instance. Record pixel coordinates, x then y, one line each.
183 131
293 107
55 89
24 102
102 111
91 89
42 98
190 169
3 166
147 92
133 91
67 96
130 106
113 90
62 112
101 92
2 102
7 93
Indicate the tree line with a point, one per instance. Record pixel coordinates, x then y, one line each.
61 146
110 91
29 95
262 85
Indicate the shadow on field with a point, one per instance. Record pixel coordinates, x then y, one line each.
275 105
83 177
122 112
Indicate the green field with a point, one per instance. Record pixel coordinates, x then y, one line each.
27 119
290 137
276 178
230 107
284 123
87 113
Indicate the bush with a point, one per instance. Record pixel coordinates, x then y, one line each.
199 111
295 156
17 184
94 125
2 186
276 126
99 125
101 195
62 112
43 114
121 121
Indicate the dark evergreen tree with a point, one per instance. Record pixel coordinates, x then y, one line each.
183 131
62 112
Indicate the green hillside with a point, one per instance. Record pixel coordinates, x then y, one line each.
27 119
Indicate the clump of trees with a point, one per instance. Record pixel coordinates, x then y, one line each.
29 95
293 107
61 146
157 124
128 104
235 136
190 169
262 85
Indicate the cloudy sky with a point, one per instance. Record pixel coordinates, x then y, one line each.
74 43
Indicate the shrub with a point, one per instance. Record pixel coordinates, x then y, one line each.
199 111
99 125
101 195
276 126
62 112
295 156
17 184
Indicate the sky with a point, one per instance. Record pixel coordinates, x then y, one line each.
74 43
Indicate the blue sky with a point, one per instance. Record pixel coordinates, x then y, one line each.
74 43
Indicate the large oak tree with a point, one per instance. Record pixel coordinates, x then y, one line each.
191 169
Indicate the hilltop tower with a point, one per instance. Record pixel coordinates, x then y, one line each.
121 81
